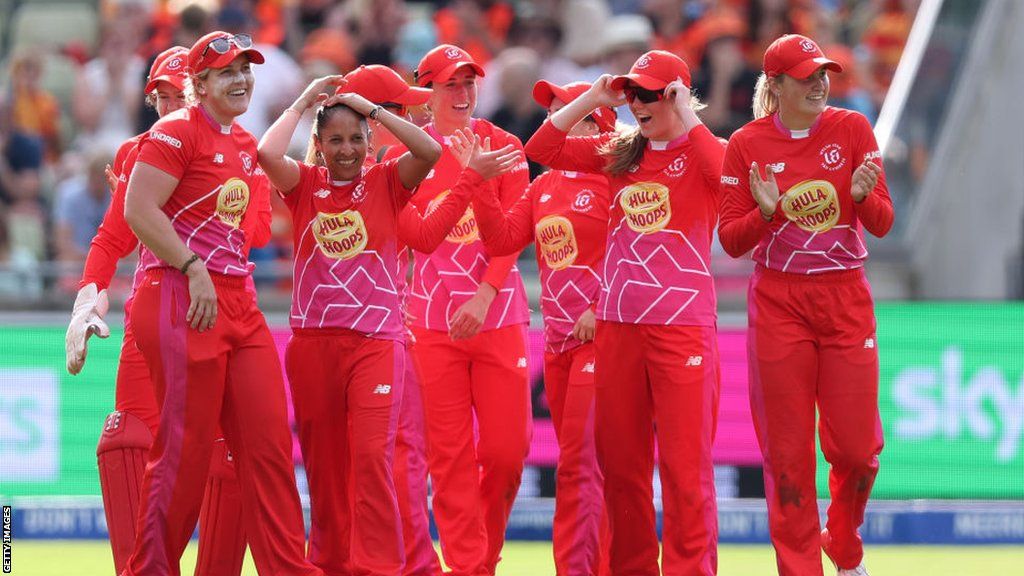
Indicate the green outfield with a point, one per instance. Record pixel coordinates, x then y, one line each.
88 558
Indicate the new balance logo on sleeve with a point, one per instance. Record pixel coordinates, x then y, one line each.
694 360
384 389
588 368
869 343
521 363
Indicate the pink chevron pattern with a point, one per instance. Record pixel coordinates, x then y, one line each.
359 293
657 278
205 240
799 252
447 278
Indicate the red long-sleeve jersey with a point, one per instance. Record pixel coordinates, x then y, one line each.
817 226
566 214
663 212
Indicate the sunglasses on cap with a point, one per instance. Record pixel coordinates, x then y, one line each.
642 94
222 44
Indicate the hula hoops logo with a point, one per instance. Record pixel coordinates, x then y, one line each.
647 206
465 231
232 201
557 241
812 205
340 236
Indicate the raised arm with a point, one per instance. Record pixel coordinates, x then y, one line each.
283 171
550 145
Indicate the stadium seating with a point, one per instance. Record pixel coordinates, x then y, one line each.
53 24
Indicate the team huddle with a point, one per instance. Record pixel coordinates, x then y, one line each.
394 380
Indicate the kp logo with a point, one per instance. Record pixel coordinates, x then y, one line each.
643 62
808 46
832 157
246 162
584 201
677 168
453 53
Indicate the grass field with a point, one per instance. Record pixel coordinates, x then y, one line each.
89 558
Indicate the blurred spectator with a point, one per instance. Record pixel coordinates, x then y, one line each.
480 27
34 111
543 35
725 82
519 115
330 46
415 39
190 25
278 80
377 24
79 206
884 40
848 89
108 91
20 189
19 276
626 38
580 18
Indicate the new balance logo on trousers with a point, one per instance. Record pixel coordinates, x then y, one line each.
382 389
694 360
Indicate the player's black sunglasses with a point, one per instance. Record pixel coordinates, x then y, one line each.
222 44
642 94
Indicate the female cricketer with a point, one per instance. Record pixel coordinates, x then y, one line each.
385 87
812 326
469 315
129 431
209 352
656 355
566 213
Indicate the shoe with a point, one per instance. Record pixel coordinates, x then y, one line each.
826 543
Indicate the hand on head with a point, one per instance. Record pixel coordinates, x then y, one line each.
602 94
320 90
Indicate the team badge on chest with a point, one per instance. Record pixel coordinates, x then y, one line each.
832 158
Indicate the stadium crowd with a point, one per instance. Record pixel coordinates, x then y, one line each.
68 100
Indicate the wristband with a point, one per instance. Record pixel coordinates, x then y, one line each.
290 109
184 267
375 112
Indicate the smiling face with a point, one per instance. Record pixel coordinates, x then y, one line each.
454 100
226 91
168 98
342 140
657 120
801 101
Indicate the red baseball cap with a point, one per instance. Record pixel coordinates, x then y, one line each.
171 65
380 84
797 56
203 56
442 62
654 71
544 93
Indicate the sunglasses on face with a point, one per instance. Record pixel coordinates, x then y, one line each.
222 45
642 94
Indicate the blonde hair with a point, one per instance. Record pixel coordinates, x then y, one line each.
191 93
626 149
765 101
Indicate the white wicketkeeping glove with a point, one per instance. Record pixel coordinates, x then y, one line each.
86 319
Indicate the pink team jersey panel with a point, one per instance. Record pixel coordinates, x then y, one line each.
570 212
820 230
346 268
216 171
445 279
657 261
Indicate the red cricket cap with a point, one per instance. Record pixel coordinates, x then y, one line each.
654 71
380 84
442 62
198 61
545 92
797 56
171 65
